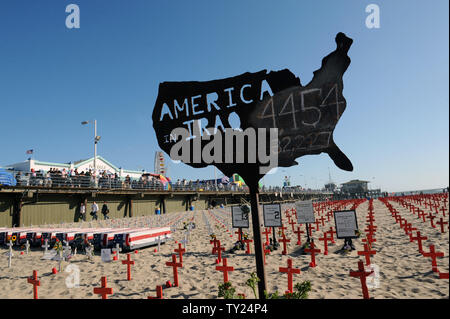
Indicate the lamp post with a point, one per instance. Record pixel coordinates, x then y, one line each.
96 139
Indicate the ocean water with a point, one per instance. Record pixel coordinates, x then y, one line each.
423 191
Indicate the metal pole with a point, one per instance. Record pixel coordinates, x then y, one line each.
95 149
259 250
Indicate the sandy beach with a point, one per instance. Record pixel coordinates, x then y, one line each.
403 271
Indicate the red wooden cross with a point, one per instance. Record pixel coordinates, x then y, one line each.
159 293
175 266
33 280
239 233
431 217
370 229
404 220
443 275
322 219
103 290
317 222
370 239
436 208
419 240
289 218
289 270
180 252
292 223
332 232
282 229
433 255
443 210
299 237
214 241
422 215
267 232
284 241
362 274
266 252
442 223
408 228
325 240
367 253
247 242
225 269
313 254
128 262
329 215
219 250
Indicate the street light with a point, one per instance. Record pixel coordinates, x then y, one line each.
96 140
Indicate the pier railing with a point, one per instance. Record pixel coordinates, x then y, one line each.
38 180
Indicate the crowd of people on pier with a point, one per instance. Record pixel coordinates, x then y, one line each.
85 179
73 178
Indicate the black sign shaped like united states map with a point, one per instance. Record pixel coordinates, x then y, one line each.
305 116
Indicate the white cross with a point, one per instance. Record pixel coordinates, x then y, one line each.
27 246
60 258
89 251
184 241
67 250
10 253
45 246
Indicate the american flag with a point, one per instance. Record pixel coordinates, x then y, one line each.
30 152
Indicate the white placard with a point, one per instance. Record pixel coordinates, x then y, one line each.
272 215
106 255
305 212
239 218
346 224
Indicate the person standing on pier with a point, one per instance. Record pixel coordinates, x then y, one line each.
105 211
94 210
83 211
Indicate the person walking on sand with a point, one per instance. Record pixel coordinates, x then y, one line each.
94 210
83 211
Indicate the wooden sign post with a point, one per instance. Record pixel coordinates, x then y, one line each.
239 219
346 225
259 249
271 116
272 218
305 215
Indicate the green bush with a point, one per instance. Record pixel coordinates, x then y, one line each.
301 292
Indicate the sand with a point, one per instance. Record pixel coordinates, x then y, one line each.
403 271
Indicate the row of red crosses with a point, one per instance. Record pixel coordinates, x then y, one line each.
407 227
104 291
429 206
328 236
220 223
368 251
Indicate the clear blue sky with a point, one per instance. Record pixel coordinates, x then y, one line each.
395 129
